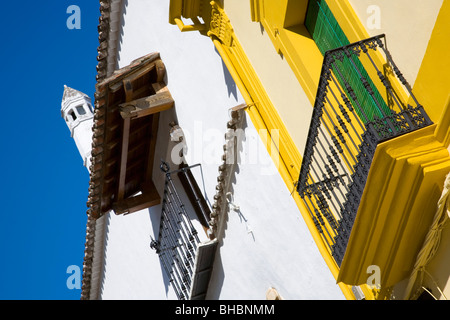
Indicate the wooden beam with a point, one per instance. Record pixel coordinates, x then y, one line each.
160 70
146 106
148 198
159 87
124 158
128 87
144 71
151 151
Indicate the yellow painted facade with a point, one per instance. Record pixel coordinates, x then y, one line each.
432 84
407 173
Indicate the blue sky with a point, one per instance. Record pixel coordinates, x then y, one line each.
44 184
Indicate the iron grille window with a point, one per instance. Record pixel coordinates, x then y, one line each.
178 239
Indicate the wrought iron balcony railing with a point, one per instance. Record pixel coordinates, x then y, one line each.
352 114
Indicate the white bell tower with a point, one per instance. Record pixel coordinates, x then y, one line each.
77 111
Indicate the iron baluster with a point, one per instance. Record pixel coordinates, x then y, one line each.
348 105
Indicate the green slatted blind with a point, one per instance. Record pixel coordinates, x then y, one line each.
328 35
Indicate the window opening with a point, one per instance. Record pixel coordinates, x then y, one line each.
328 35
72 115
81 110
178 239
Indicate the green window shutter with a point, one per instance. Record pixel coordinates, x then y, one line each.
328 35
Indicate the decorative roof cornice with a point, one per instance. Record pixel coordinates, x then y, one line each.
103 36
108 30
227 170
108 37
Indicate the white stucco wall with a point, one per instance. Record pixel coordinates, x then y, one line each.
266 243
132 269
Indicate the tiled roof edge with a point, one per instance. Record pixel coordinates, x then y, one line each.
93 227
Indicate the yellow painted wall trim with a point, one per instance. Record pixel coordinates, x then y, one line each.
443 128
264 116
233 54
255 9
192 27
190 9
397 204
294 42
